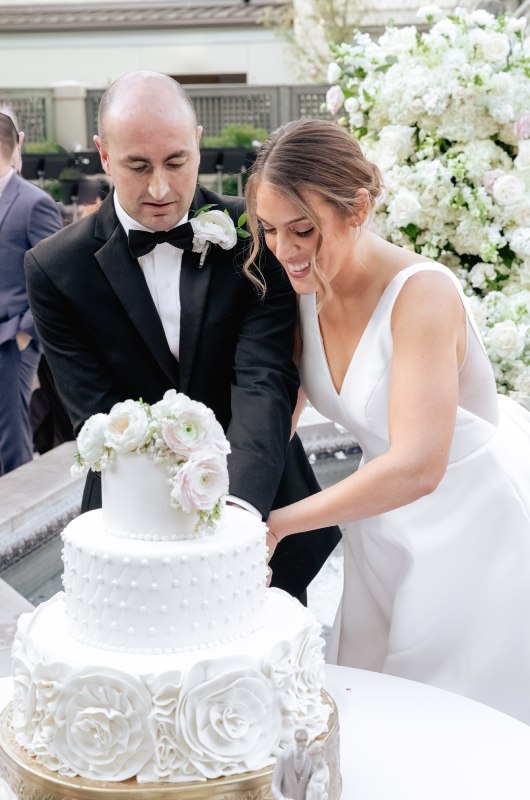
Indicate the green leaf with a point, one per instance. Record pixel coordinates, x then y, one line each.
242 219
411 231
242 233
203 209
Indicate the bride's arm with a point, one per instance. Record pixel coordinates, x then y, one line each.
428 328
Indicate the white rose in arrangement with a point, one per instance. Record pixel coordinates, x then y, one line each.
404 208
127 427
229 718
508 190
91 439
213 227
200 483
101 723
396 143
506 339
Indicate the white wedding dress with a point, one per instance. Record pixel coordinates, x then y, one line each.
437 591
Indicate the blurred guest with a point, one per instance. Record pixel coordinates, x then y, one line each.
27 215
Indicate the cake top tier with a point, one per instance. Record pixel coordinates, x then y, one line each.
181 436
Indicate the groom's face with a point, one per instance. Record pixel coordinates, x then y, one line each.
150 149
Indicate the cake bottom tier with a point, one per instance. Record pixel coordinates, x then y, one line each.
31 781
195 716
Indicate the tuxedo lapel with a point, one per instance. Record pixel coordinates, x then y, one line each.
194 285
127 280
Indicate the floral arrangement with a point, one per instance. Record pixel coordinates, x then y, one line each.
445 114
182 433
215 227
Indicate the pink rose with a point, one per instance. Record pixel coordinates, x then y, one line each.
522 126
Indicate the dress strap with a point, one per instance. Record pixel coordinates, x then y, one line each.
399 280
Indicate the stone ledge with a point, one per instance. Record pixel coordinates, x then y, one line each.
36 500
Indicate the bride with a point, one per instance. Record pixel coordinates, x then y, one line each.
437 541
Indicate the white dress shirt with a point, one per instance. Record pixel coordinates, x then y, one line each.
161 268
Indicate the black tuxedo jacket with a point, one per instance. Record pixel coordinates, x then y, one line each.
105 343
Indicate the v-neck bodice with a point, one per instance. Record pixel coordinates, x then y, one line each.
361 405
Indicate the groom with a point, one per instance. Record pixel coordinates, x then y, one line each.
119 322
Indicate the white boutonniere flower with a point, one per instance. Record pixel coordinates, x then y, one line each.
215 227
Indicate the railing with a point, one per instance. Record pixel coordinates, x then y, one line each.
34 111
260 106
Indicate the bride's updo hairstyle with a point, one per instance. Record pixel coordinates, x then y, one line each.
311 156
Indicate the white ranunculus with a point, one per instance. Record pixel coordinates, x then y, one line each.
404 208
506 339
189 431
229 718
508 190
127 427
199 484
334 99
334 72
172 404
213 227
91 439
101 718
522 160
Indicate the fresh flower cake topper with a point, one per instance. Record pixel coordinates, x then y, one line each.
182 433
215 227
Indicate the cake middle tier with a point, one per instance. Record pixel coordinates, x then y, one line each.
154 597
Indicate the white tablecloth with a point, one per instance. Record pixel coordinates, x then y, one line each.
401 740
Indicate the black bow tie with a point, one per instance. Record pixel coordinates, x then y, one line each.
142 242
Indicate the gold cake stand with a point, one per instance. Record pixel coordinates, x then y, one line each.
31 781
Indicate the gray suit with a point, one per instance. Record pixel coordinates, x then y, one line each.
27 215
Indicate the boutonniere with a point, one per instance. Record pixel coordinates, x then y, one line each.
215 227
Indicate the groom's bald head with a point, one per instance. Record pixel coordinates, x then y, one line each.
143 90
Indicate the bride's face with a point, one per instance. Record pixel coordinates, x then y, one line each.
293 238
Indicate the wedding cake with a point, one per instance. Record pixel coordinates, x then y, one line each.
166 658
